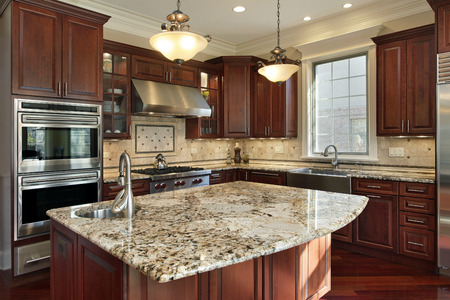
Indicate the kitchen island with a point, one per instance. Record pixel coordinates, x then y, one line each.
238 240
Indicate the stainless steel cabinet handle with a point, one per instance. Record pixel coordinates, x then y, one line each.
407 126
416 191
374 186
268 130
246 176
45 180
403 126
59 89
170 76
265 130
65 89
37 259
415 244
167 76
415 221
415 205
374 196
266 174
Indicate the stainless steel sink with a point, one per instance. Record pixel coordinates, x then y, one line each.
330 180
102 213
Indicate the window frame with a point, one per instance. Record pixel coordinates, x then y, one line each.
308 98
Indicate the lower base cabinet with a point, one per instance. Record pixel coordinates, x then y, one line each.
139 187
81 270
269 177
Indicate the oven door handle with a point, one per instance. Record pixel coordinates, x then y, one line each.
50 119
27 181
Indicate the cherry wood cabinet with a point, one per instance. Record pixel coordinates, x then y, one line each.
278 178
406 84
148 68
80 269
55 54
139 187
116 93
274 108
442 17
223 176
211 89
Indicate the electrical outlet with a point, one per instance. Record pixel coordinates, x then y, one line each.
106 154
279 149
193 150
396 151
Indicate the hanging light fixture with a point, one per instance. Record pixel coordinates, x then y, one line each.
175 43
278 72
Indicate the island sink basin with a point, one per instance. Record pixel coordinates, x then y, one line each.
330 180
102 213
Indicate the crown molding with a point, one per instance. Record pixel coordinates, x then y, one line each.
136 24
336 25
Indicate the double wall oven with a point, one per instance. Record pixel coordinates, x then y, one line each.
57 163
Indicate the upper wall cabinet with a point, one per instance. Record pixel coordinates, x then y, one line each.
154 69
442 10
406 82
55 54
274 108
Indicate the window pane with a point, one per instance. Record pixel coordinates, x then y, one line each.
358 66
340 105
340 69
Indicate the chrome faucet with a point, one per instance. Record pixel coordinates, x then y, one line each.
124 201
334 162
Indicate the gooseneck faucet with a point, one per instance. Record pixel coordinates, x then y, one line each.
124 201
334 162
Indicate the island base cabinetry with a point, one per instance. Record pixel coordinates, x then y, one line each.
81 270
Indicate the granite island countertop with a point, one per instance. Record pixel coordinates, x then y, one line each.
181 233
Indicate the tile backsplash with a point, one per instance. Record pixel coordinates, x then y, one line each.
417 152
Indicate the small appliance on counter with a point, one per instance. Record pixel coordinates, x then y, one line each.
160 162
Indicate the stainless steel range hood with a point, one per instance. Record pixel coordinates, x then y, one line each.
168 100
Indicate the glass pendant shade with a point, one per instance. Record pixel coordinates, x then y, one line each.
278 72
178 46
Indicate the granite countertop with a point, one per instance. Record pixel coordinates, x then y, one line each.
181 233
422 175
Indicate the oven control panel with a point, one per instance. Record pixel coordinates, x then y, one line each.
160 186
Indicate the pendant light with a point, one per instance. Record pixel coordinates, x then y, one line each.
278 72
175 43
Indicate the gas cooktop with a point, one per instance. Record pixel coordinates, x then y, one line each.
154 171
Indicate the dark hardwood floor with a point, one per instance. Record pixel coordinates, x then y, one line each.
354 276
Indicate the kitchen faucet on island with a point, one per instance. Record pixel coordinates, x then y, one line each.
334 162
124 201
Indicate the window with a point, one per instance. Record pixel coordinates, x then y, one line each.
339 105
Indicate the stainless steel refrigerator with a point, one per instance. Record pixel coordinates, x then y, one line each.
443 161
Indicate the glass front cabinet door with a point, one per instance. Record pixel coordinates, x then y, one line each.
116 95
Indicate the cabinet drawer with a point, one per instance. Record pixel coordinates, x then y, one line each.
421 190
417 205
139 187
418 243
216 177
277 178
417 220
375 186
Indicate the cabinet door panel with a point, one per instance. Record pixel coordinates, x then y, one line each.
421 97
236 100
277 118
36 51
183 75
99 273
443 26
148 69
83 45
344 234
261 105
376 227
391 88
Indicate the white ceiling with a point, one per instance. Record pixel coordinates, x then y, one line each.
217 18
253 32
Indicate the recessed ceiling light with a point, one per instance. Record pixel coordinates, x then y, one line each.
347 5
306 18
239 9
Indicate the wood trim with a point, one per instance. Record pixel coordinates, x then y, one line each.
404 34
437 3
68 9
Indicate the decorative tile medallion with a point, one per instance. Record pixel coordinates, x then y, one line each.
155 138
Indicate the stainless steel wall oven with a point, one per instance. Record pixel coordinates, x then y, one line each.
57 163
